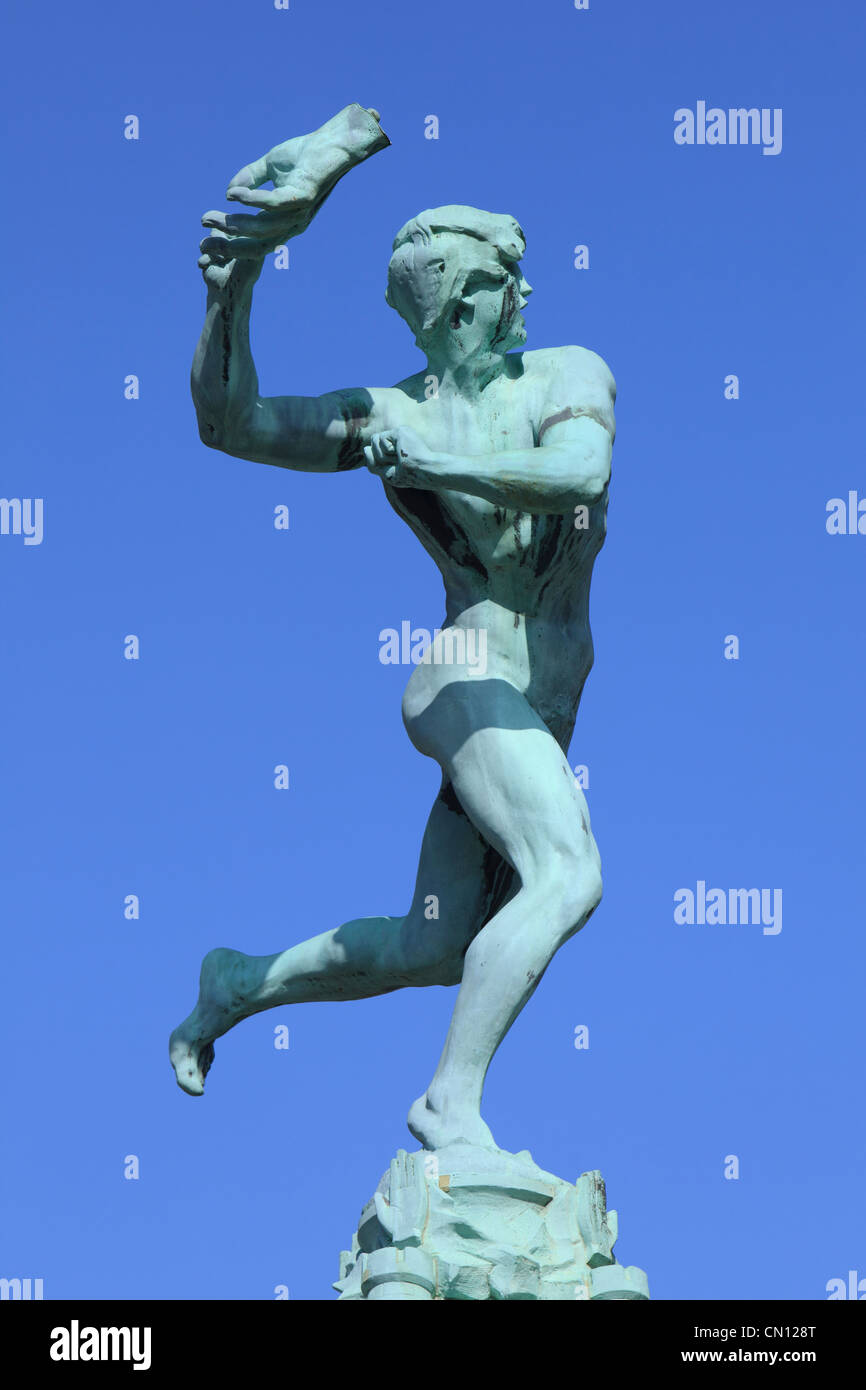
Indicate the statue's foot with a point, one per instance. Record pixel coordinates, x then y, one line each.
438 1127
190 1046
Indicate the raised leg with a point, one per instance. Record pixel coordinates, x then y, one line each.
459 878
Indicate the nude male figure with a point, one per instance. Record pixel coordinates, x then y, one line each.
502 473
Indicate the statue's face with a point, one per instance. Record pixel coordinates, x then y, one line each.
496 305
457 286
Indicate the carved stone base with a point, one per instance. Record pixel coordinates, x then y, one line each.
468 1223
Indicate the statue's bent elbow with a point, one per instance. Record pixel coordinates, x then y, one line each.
209 433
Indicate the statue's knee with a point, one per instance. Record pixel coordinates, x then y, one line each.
574 891
440 970
430 954
450 969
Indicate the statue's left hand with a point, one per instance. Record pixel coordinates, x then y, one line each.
401 457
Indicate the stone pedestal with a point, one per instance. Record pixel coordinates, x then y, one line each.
469 1223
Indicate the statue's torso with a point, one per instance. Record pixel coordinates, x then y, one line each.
524 578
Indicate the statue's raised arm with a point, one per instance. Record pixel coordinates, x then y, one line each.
315 433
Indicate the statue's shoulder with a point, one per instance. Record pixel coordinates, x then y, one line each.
573 366
415 387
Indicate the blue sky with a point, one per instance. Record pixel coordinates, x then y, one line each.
260 647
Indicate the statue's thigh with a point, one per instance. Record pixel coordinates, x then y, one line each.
517 788
461 881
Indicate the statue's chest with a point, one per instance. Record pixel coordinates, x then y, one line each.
460 524
497 422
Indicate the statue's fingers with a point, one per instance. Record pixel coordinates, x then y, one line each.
215 272
252 174
254 198
384 444
375 462
234 248
262 224
216 247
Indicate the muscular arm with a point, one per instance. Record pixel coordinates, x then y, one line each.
557 475
569 466
320 434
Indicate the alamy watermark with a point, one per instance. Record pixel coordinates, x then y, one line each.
23 1289
77 1343
22 516
846 517
854 1287
729 907
450 646
735 126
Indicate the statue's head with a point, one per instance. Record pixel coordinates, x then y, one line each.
454 273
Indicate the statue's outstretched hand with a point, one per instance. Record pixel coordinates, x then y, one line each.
303 171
